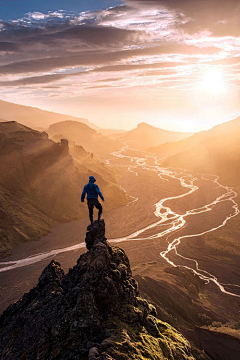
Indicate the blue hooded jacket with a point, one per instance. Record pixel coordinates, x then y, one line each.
92 190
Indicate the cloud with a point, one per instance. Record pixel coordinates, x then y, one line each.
230 61
132 67
108 80
221 17
6 46
47 64
100 87
90 59
140 37
33 80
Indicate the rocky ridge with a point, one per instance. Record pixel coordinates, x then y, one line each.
92 312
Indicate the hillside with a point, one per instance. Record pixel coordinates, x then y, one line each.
92 312
216 151
34 117
145 136
83 135
41 183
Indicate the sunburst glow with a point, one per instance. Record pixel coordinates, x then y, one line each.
213 82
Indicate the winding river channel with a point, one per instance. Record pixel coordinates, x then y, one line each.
168 222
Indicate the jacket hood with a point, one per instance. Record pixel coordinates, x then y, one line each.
92 179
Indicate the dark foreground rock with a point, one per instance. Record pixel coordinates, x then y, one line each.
93 312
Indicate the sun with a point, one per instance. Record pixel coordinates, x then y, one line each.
213 82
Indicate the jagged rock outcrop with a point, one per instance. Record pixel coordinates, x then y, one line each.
93 312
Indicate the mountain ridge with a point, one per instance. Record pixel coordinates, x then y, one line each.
42 118
216 152
146 125
146 135
171 148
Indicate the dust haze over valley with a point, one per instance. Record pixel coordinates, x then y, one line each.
144 96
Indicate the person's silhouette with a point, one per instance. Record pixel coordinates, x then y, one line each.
92 191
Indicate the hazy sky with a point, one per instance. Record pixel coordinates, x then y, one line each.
172 63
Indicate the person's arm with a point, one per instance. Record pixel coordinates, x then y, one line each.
99 193
83 194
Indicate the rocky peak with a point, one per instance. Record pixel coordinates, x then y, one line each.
95 234
143 125
64 146
44 135
92 312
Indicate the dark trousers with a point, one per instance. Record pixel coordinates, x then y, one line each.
91 203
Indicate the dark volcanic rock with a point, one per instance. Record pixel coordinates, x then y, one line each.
95 234
93 312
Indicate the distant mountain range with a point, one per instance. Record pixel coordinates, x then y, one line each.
142 137
216 151
34 117
41 183
41 119
146 135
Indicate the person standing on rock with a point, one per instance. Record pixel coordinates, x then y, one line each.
92 191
